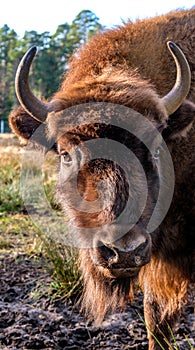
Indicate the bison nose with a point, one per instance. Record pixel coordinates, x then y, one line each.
114 256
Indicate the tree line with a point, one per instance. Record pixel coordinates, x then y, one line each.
55 50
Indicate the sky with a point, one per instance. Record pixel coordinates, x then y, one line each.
46 15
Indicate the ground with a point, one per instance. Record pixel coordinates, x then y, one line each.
32 319
34 316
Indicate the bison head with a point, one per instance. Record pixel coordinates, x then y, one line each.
101 186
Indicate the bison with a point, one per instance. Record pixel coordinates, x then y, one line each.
129 67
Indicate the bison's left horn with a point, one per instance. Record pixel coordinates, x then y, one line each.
176 96
31 104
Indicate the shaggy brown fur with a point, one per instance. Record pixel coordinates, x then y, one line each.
140 46
131 66
97 287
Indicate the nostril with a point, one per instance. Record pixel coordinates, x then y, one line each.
108 253
142 253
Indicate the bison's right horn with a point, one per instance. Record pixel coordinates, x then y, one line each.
31 104
173 100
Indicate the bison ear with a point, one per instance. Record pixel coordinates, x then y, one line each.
22 124
28 128
180 122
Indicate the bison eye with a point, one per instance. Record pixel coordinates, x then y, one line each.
156 154
66 158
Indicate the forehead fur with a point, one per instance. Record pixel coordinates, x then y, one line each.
96 100
116 86
94 120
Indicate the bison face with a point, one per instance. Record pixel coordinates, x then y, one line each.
108 186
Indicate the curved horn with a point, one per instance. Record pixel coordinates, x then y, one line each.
175 97
31 104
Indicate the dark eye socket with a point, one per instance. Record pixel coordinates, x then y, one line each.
66 158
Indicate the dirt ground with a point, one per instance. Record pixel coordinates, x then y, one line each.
30 318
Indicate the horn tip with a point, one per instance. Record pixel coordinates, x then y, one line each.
171 45
32 50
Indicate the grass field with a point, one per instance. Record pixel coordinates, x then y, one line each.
17 230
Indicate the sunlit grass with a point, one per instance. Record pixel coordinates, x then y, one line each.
19 233
10 198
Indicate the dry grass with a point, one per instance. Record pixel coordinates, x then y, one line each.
17 231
